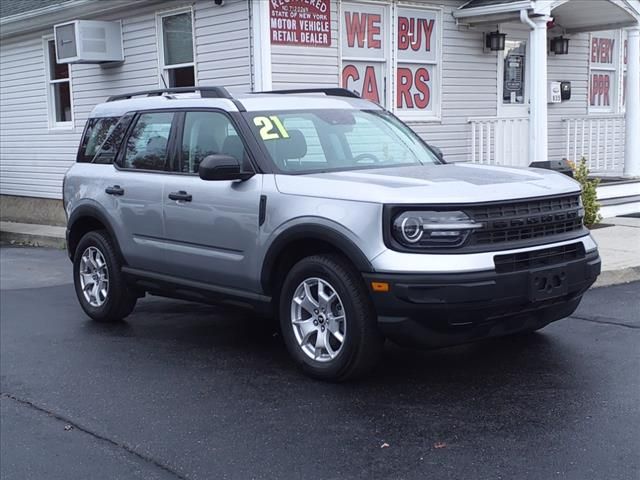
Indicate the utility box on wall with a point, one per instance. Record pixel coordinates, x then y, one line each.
88 41
554 94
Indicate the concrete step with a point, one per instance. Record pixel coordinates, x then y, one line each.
32 234
619 198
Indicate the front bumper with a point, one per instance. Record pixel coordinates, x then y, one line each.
435 310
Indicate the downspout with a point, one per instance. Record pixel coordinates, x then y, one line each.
524 18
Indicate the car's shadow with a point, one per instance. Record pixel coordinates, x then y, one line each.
251 342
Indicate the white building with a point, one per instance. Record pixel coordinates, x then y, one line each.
427 61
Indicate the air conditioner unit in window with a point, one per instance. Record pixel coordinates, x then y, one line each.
88 41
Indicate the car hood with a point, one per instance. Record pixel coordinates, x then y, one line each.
434 184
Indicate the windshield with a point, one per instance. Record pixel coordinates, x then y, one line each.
327 140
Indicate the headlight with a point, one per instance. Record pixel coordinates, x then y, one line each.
432 228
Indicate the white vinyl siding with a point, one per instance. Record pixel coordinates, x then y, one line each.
306 67
573 68
223 44
33 159
469 88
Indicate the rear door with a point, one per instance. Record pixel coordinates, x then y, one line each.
137 189
211 226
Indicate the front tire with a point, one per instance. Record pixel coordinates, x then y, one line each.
327 319
99 283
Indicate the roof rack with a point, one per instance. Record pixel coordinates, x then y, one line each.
205 92
334 91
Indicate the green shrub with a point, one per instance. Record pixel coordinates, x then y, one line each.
589 196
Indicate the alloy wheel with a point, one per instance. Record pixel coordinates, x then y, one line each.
318 319
94 277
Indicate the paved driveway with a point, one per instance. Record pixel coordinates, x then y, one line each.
188 391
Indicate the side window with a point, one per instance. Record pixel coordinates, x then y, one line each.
95 133
147 145
108 149
208 133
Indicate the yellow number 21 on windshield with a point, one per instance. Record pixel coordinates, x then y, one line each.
271 128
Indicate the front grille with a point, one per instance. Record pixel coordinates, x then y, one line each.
526 220
547 257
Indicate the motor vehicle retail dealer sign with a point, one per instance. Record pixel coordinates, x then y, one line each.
305 23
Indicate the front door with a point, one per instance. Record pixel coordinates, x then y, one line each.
211 227
512 129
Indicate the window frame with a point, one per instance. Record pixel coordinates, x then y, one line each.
615 69
118 161
81 156
513 110
162 66
390 90
180 136
418 115
387 61
53 124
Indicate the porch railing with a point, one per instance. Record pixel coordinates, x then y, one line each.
598 138
499 141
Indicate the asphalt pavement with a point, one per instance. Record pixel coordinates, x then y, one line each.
187 391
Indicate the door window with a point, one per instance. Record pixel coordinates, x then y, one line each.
147 145
95 133
208 133
513 84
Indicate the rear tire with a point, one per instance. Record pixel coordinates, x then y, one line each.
99 283
338 340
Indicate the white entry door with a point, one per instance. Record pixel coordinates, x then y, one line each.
511 142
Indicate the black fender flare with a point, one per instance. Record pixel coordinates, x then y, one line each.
324 233
94 211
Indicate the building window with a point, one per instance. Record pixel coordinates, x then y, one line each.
59 100
177 65
405 79
604 64
365 55
417 85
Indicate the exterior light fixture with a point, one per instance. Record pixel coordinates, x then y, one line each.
494 41
559 45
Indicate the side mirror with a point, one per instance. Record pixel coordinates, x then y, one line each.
438 153
222 167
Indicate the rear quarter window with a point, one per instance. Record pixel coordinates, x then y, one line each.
95 133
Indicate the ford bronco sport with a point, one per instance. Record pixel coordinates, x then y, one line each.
324 209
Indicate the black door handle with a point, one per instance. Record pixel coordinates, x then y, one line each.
114 190
181 195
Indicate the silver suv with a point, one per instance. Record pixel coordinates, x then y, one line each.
323 209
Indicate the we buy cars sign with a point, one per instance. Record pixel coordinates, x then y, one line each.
305 23
366 54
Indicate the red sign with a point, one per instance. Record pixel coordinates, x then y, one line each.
602 50
305 23
600 89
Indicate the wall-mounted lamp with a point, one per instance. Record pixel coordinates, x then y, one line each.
559 45
494 41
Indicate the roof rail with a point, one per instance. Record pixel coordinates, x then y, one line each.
334 91
205 92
